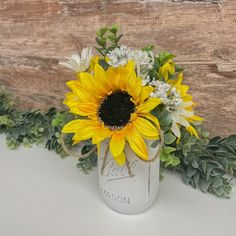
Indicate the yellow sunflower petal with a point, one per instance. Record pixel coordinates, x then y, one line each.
130 66
136 143
145 93
86 79
74 85
117 143
100 134
83 133
179 78
121 159
168 67
197 118
102 79
178 81
94 60
145 128
126 74
83 109
149 105
114 81
80 92
72 127
192 131
183 89
152 118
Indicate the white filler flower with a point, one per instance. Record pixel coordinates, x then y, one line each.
78 63
119 56
143 60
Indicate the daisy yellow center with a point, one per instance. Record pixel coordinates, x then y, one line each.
116 109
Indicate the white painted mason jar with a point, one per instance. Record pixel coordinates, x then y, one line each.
125 193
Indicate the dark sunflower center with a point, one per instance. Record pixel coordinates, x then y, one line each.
116 109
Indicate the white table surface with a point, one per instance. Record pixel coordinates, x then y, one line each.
43 195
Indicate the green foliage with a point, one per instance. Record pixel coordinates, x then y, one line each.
6 101
168 158
207 164
107 39
148 48
163 57
159 60
86 164
35 127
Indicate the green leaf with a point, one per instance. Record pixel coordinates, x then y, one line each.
196 178
204 166
175 161
101 42
169 149
103 63
186 179
115 27
194 164
186 148
190 171
231 139
219 191
102 31
217 182
204 185
148 48
165 56
112 38
163 156
165 121
169 138
168 160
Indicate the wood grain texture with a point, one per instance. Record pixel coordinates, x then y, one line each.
35 34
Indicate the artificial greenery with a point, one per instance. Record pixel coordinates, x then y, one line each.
107 39
36 127
207 164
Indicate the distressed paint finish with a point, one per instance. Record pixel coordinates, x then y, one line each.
35 34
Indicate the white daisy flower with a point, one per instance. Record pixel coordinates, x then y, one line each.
78 63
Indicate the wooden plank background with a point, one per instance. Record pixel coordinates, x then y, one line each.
35 34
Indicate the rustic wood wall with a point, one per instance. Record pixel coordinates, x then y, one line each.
35 34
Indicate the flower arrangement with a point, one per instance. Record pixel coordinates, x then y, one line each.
204 163
128 96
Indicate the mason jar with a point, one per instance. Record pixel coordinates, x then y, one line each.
128 189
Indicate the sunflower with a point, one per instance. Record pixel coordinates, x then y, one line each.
113 104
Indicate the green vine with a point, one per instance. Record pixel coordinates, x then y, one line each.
207 164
